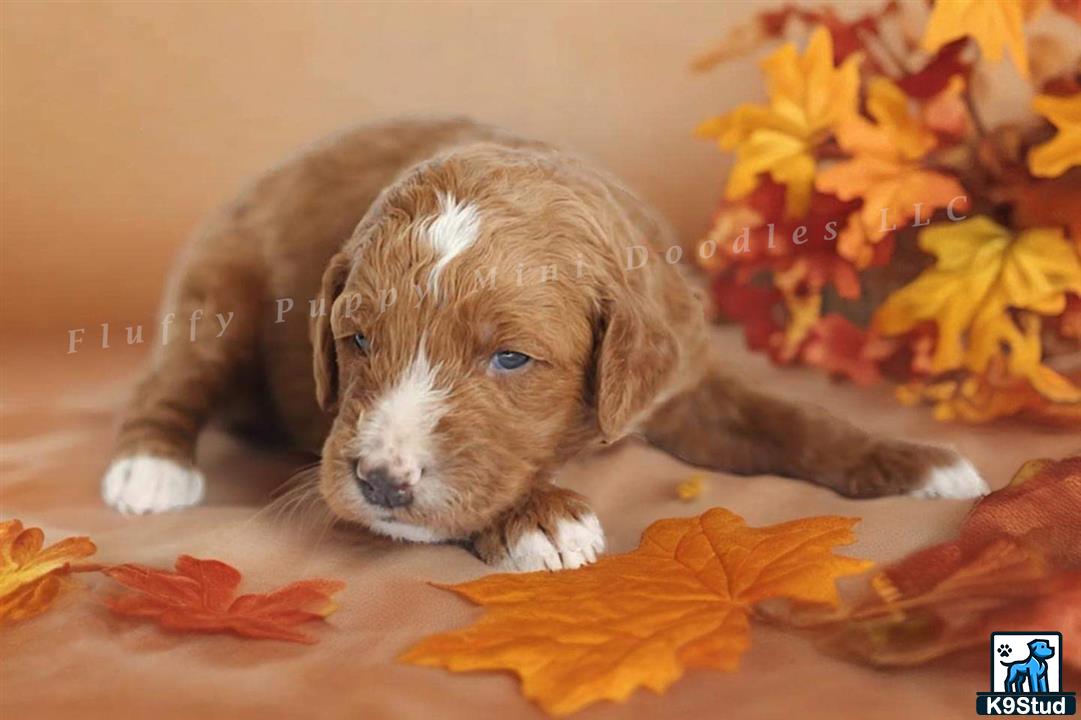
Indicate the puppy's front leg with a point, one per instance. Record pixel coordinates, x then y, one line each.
551 529
207 349
721 424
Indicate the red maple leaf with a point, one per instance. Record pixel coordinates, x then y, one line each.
936 74
1069 322
1039 511
1069 8
777 243
841 348
750 306
809 241
848 35
199 597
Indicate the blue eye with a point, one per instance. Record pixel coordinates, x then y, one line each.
507 360
361 342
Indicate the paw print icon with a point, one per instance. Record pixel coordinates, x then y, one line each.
1003 650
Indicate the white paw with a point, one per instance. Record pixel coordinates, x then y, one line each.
146 484
958 480
574 543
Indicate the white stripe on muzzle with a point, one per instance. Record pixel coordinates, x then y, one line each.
397 432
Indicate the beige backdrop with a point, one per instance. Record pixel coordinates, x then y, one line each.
125 123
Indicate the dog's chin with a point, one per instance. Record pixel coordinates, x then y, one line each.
430 519
388 523
409 532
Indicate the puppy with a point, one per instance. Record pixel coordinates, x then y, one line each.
444 312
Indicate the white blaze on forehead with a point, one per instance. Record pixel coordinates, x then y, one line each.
397 433
452 232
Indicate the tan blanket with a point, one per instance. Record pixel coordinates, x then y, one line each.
80 661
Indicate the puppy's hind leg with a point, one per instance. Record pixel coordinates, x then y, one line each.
721 424
196 363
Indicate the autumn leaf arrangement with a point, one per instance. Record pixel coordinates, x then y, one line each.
876 225
199 597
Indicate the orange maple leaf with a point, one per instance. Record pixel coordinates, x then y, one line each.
681 600
885 172
199 597
30 574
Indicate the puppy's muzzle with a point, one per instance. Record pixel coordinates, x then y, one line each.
380 487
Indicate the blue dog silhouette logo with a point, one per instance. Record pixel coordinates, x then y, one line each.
1030 672
1026 676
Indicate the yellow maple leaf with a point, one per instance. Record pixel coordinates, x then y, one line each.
30 575
994 25
808 97
988 396
981 275
804 311
1062 152
691 489
885 172
681 600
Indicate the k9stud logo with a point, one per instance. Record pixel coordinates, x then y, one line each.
1026 676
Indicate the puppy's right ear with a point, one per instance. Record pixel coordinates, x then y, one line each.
637 355
324 356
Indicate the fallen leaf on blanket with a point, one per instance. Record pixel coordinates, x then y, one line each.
201 597
31 575
1015 565
681 601
690 489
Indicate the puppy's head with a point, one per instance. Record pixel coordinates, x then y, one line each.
478 333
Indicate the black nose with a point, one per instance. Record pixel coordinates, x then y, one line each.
380 488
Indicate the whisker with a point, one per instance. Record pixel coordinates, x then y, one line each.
300 475
299 489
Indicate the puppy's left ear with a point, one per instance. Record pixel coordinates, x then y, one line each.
324 355
637 356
